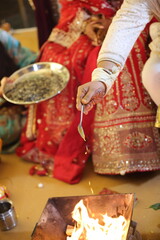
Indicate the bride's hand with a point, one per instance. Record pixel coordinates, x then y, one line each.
96 28
101 33
92 25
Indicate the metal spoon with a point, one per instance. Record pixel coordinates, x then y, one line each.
80 128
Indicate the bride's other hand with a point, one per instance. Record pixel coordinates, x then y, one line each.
91 26
96 28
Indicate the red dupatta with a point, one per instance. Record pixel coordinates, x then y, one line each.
73 152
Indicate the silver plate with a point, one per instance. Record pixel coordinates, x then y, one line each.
35 83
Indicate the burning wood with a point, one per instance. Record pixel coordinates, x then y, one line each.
69 230
92 217
89 228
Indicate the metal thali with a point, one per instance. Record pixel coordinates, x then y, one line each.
35 83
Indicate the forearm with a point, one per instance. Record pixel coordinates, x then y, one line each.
106 72
121 36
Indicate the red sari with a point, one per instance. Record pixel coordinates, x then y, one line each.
55 140
57 145
125 138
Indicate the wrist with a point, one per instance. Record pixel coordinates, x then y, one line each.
105 76
109 65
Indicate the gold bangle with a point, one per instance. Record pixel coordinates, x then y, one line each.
157 123
84 24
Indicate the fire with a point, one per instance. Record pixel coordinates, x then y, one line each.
88 228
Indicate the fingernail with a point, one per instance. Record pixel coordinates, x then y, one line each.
85 100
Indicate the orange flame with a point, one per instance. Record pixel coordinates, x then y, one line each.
87 228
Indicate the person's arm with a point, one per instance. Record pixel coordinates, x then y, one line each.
10 43
124 30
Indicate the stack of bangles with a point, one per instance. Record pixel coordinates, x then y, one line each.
157 124
106 76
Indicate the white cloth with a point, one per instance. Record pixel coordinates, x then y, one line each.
106 77
151 70
124 30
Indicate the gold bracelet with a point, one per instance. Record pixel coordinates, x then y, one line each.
157 123
84 24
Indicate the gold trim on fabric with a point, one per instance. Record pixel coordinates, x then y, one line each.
131 165
122 149
31 124
157 124
66 39
125 138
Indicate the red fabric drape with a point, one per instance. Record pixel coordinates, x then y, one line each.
73 152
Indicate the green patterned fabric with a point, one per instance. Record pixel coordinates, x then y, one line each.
11 123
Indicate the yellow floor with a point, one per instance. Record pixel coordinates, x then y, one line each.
29 200
28 38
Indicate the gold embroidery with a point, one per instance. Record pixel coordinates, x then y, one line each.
157 123
66 39
114 153
125 139
31 124
137 140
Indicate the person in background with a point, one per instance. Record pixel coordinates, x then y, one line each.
11 116
7 64
13 56
21 55
4 25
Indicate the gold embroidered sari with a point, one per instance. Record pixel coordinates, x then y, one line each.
125 138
